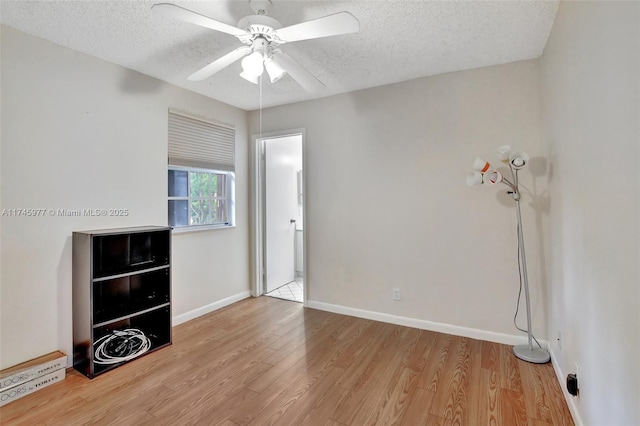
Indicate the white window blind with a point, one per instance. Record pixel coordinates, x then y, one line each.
194 142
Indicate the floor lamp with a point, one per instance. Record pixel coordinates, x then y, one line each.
483 174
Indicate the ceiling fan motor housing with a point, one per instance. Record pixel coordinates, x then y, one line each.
260 26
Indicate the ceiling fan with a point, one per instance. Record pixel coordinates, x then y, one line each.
263 36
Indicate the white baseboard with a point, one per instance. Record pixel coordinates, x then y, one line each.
187 316
473 333
571 400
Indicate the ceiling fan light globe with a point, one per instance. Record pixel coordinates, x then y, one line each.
253 64
277 77
250 78
275 71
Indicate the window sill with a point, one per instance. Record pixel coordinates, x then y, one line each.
190 229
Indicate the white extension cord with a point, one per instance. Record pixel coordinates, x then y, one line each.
121 346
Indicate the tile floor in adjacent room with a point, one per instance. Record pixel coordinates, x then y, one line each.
289 291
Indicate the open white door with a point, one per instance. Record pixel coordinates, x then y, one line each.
281 209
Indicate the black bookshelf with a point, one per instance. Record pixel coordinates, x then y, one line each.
121 281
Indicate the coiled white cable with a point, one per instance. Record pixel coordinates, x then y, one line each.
121 346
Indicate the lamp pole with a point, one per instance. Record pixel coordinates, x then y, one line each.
526 352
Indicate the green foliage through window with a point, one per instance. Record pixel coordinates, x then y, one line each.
199 197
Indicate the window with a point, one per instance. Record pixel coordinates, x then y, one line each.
199 197
201 172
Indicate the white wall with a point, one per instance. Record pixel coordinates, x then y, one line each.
591 91
78 132
387 205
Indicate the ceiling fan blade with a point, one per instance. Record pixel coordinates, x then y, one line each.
177 12
220 63
299 74
336 24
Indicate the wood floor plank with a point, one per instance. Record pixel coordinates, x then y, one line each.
365 334
294 320
418 409
535 396
432 374
304 328
294 380
375 352
121 392
362 379
96 413
311 386
226 423
437 421
333 423
308 398
472 406
270 361
511 408
491 356
33 416
283 404
297 361
119 418
322 411
27 408
452 396
397 405
215 403
232 314
420 355
189 329
381 392
225 367
536 422
313 336
488 398
224 408
411 338
510 369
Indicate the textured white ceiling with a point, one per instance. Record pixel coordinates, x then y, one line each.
398 40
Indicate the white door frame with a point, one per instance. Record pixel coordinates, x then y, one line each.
258 208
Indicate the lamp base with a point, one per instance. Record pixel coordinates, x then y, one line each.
535 355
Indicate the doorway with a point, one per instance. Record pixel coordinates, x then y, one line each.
280 195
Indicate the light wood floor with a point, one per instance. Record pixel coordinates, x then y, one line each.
269 361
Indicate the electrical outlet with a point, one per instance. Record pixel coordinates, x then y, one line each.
573 380
396 294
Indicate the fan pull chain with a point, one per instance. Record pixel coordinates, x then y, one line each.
260 80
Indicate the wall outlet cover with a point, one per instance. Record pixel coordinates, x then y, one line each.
396 294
